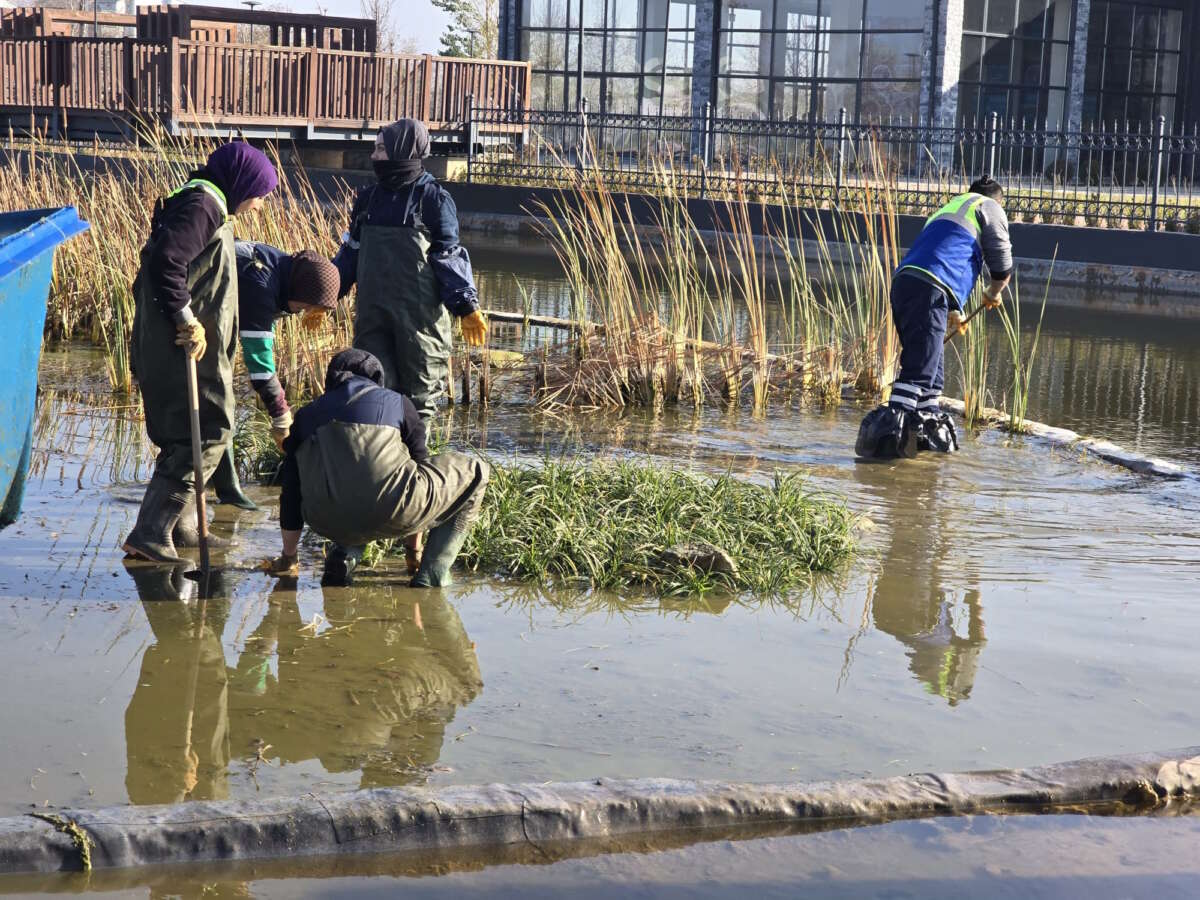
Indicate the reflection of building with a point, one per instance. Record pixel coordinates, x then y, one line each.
1063 62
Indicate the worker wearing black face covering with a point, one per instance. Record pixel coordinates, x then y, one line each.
402 250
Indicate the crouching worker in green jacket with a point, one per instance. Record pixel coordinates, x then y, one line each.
186 305
356 469
273 284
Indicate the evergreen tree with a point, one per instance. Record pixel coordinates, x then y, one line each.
472 30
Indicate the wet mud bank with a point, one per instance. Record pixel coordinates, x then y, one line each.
492 816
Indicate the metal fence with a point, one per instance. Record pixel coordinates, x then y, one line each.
1122 176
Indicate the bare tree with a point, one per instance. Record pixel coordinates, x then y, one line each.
383 14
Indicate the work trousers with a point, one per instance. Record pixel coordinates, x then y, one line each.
919 310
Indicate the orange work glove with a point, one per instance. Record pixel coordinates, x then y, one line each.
282 565
474 328
955 323
313 317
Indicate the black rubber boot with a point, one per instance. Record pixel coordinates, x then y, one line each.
156 583
225 482
340 563
887 432
936 432
151 538
186 534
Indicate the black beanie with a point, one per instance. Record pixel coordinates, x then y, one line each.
350 363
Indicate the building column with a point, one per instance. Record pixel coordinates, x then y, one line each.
1078 74
703 53
939 70
506 30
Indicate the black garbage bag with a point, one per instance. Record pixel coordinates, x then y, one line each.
935 431
887 433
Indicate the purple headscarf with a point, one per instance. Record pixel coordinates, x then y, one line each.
242 172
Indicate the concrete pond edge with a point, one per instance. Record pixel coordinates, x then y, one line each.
1064 437
450 819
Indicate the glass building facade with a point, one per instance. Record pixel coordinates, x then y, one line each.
1015 60
1135 62
794 60
638 55
1052 63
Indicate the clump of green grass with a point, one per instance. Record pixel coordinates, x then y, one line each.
606 525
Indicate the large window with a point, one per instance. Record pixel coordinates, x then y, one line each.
1133 63
806 59
1015 60
637 54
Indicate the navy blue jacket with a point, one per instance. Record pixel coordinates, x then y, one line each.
357 401
263 272
423 202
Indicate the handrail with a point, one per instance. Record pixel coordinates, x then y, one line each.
252 84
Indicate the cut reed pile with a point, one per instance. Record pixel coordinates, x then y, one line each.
91 297
611 524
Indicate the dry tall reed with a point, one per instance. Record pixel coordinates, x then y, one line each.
91 297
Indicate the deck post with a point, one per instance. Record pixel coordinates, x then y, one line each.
173 99
313 76
426 88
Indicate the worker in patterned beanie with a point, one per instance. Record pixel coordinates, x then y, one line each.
272 284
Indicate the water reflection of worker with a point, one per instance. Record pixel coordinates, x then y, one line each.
177 722
909 600
374 692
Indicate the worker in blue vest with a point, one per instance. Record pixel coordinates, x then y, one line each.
929 291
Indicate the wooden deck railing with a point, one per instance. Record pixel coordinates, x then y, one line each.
232 85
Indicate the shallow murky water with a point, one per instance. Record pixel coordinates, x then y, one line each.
1015 605
1059 857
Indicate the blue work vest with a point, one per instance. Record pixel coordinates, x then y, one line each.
948 251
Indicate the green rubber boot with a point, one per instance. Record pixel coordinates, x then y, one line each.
151 538
186 534
225 482
441 549
445 540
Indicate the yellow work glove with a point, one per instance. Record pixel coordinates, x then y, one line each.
955 324
474 328
190 336
990 300
283 565
313 318
281 427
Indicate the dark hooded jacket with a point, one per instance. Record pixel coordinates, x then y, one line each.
353 396
408 196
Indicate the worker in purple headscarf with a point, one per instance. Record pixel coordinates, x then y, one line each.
186 296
